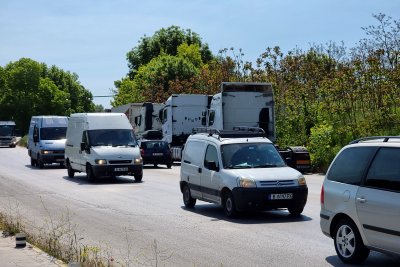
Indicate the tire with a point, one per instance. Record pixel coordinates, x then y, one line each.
348 243
89 173
187 197
169 165
70 171
155 164
138 177
295 210
33 162
228 203
39 162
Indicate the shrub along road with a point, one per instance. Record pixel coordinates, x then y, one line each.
146 223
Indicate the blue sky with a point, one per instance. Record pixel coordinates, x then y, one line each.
92 37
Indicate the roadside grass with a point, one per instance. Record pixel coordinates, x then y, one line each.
59 238
23 141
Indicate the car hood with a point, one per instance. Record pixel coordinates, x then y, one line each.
52 144
116 153
265 174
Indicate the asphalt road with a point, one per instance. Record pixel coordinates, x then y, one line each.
146 223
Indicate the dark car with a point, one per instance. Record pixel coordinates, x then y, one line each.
156 152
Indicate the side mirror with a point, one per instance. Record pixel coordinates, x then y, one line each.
212 165
35 138
203 121
85 147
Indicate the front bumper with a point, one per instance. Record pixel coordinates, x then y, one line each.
116 170
52 158
258 198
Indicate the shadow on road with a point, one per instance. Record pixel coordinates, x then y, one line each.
81 179
374 259
46 167
216 213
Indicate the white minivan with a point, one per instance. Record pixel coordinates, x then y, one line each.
102 144
240 170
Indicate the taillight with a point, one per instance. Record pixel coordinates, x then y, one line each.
322 195
142 152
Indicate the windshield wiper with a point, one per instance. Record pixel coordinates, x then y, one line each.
265 166
239 167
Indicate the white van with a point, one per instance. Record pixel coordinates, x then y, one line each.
102 144
46 140
240 170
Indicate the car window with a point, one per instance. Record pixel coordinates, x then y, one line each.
350 165
193 152
211 155
384 172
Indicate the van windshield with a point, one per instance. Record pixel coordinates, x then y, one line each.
251 155
115 137
53 133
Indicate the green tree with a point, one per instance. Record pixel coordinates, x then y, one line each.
164 41
30 88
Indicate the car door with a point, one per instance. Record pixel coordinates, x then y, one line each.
210 178
191 166
378 201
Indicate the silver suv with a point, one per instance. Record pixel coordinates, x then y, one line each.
360 198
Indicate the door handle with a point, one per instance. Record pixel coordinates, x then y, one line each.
361 199
199 170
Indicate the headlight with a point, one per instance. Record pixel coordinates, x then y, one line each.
302 180
247 183
46 151
100 161
138 160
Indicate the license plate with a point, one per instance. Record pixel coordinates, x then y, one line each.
280 196
157 154
121 169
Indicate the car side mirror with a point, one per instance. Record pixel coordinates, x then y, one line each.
85 147
35 138
212 165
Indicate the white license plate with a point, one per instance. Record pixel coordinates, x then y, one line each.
121 169
280 196
157 154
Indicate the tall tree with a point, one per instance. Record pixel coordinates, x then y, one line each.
164 41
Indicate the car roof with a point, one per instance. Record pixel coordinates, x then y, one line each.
228 140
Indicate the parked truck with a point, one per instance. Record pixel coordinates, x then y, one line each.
251 105
7 134
142 116
242 104
180 115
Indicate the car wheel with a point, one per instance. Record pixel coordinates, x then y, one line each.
187 197
155 164
33 162
348 243
89 173
169 165
229 205
39 162
295 210
70 171
138 177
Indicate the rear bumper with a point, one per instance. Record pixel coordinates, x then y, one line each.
157 160
258 198
325 222
116 170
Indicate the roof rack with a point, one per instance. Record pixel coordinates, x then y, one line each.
237 132
371 138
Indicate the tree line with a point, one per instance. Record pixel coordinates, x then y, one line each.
29 88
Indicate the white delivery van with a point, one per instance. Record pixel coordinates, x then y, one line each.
102 144
46 140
